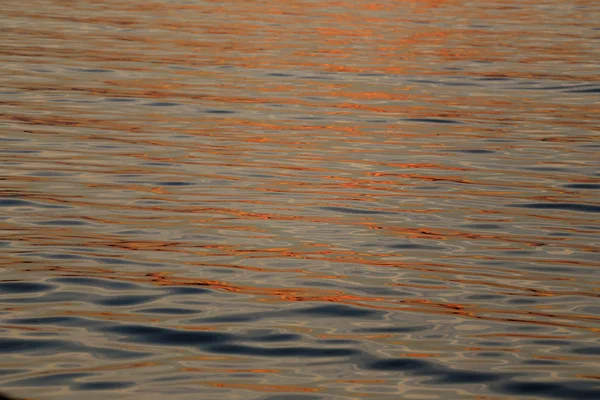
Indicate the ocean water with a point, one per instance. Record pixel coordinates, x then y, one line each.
300 200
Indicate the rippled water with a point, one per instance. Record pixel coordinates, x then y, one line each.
300 200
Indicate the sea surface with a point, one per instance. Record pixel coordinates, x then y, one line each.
300 199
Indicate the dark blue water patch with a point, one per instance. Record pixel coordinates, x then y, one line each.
560 234
61 321
481 226
428 187
401 364
551 342
10 202
464 377
24 287
474 151
484 297
590 90
151 202
164 336
522 301
220 112
338 310
20 346
280 74
129 176
61 256
544 362
325 311
120 100
64 379
588 350
121 300
458 83
169 311
576 390
107 284
559 206
591 186
162 104
63 222
433 120
527 328
5 139
352 210
11 371
319 78
567 87
102 385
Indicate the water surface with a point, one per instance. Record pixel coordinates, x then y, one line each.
300 200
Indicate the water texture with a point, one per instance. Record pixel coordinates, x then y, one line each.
300 199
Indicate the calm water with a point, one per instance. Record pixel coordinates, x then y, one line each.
300 200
